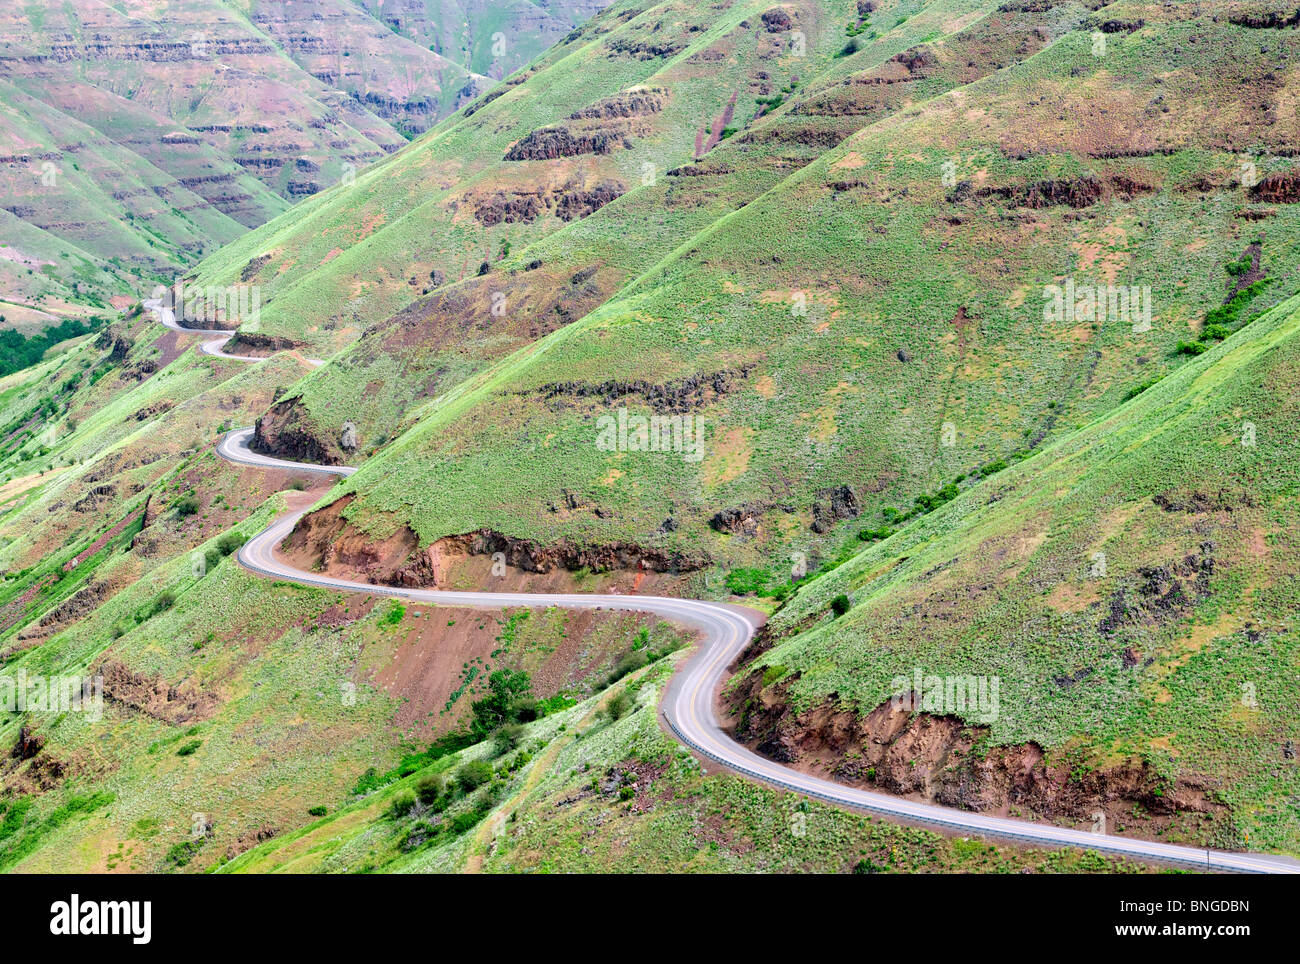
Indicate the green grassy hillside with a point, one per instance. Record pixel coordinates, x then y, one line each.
864 335
1132 586
828 237
136 139
601 789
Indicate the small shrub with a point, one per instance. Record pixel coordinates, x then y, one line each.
619 705
394 615
188 747
525 710
748 582
230 542
465 821
840 604
185 506
508 737
164 602
473 775
629 663
317 811
402 804
182 853
1215 332
431 787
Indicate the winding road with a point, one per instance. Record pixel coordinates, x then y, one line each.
213 346
688 705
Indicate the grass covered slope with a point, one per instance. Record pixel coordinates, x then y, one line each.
600 788
1133 587
550 272
146 135
501 173
870 332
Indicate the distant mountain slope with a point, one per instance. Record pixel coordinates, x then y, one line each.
246 105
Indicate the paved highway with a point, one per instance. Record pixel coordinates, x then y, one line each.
213 346
688 704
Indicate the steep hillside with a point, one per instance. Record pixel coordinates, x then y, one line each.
847 253
547 148
869 333
601 789
1133 590
146 135
572 264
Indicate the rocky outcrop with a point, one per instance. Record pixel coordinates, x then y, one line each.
777 20
630 103
508 209
115 341
832 505
79 604
255 265
643 49
1079 192
549 143
1270 20
1160 594
740 519
286 431
261 343
948 761
150 695
328 541
575 204
676 397
1281 188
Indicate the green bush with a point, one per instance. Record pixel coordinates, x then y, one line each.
525 710
628 663
508 737
164 602
840 604
505 688
1216 332
402 804
230 542
473 775
393 616
186 749
748 582
619 705
464 821
317 811
431 787
185 506
182 853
